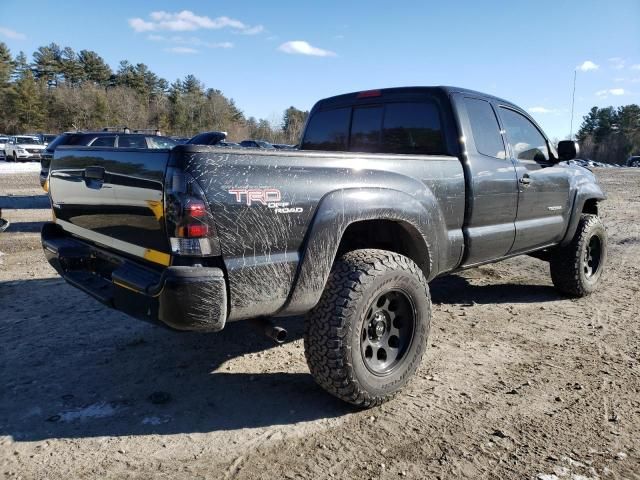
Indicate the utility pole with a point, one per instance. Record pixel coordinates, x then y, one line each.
573 102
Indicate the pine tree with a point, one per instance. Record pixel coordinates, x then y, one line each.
94 67
6 65
70 67
47 63
26 103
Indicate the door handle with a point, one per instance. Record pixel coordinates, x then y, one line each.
94 173
525 180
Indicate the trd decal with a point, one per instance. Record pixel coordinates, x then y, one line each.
256 195
270 197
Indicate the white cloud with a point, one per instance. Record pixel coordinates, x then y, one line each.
635 67
611 91
587 65
181 50
300 47
539 110
617 63
12 34
193 41
188 21
252 30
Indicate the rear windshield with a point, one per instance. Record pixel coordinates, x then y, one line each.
402 127
27 141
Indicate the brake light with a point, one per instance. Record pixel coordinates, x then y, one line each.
193 230
369 94
189 220
195 208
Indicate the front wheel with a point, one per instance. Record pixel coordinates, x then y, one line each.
366 337
576 269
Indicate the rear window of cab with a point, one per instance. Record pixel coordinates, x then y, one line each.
400 127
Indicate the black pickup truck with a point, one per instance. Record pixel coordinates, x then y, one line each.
388 190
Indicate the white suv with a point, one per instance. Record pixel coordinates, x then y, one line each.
22 147
3 140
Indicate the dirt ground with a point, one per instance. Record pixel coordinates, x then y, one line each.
517 382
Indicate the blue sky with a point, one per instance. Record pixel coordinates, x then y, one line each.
269 55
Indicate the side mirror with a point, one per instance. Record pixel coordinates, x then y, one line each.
568 150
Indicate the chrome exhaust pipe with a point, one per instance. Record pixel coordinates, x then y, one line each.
269 329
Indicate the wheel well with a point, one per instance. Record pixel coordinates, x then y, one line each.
394 236
590 206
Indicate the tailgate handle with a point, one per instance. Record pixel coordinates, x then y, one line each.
94 173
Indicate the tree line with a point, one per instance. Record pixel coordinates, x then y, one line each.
61 89
610 134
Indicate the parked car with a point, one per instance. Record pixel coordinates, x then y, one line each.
207 138
227 144
633 161
389 189
180 140
113 139
256 144
23 148
47 138
3 140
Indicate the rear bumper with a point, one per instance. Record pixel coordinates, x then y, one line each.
184 298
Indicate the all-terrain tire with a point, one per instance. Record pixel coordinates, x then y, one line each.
576 269
335 327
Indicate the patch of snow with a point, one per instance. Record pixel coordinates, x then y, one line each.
18 167
95 410
155 420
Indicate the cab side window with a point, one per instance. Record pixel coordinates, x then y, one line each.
485 128
526 140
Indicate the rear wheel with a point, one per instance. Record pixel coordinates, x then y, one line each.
576 269
365 338
15 157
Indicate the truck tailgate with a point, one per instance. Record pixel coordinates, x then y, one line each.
112 198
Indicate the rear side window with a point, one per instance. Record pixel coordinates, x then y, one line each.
412 128
485 128
132 141
328 130
104 142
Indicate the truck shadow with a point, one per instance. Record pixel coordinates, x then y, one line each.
455 289
29 202
25 227
74 368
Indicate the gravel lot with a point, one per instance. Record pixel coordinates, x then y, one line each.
517 382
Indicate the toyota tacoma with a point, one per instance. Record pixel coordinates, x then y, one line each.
388 190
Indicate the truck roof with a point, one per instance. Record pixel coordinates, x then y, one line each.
440 90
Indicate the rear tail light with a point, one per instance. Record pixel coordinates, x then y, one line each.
189 220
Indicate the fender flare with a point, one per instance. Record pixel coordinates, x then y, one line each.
341 208
585 191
